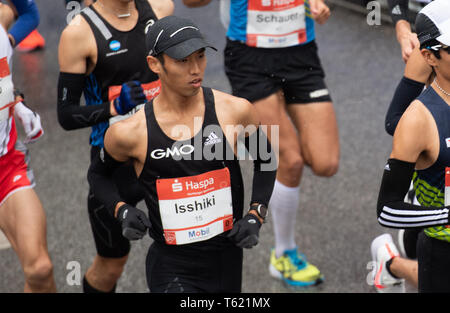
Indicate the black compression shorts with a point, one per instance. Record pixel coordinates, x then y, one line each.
174 269
433 256
256 73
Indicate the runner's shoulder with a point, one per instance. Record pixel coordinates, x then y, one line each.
240 110
414 114
128 132
77 32
417 119
415 134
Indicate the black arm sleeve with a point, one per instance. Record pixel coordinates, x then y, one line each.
100 181
407 90
265 166
398 9
393 212
71 115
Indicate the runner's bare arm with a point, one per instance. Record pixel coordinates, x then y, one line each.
77 53
415 146
7 16
122 140
120 145
76 47
162 8
414 135
244 114
417 68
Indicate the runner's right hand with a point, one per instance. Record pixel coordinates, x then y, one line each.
134 222
407 43
31 122
130 96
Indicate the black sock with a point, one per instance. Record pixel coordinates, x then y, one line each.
388 267
87 288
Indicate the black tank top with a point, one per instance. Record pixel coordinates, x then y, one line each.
167 158
121 57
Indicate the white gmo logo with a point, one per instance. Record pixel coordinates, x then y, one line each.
175 151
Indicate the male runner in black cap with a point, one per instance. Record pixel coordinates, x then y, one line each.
183 147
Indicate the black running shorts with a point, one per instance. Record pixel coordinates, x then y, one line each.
433 256
256 73
178 269
107 231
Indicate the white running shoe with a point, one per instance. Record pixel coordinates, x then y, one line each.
4 242
401 242
383 249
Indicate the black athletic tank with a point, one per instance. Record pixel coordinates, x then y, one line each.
121 57
167 158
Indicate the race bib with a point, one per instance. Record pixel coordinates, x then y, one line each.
276 23
195 208
151 90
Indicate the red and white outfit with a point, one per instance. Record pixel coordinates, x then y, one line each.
14 172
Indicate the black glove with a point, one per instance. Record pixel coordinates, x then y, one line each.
134 222
245 232
130 96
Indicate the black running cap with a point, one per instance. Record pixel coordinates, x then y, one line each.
433 22
175 36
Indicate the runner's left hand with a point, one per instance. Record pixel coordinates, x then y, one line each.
135 223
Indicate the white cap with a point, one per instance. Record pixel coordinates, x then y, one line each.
433 22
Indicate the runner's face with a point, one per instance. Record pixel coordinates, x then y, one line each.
185 75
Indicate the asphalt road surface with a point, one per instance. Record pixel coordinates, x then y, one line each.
336 221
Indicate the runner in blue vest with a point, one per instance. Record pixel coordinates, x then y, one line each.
420 152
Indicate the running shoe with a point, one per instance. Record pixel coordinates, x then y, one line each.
411 194
33 41
383 249
294 270
401 242
4 243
